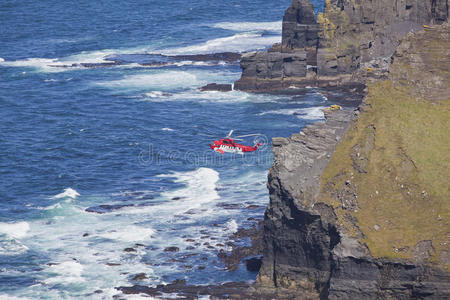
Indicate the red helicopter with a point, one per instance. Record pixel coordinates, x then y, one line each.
227 144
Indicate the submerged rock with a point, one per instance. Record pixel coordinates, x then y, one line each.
139 277
171 249
106 208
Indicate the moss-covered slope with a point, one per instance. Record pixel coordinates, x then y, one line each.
388 180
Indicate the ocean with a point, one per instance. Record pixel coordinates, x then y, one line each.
106 167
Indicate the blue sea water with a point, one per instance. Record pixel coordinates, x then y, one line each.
97 160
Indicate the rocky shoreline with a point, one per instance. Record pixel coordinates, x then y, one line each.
155 60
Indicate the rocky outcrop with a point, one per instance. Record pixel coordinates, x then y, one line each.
350 42
422 64
359 204
297 240
217 87
300 29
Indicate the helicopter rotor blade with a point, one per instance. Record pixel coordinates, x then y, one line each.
230 133
255 134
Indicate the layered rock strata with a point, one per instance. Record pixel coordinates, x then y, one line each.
359 204
349 42
297 238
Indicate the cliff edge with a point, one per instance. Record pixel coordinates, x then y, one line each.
359 205
349 43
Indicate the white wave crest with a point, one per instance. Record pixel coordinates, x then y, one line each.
200 186
68 193
1 59
240 42
15 230
250 26
167 129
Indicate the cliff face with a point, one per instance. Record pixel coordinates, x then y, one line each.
348 43
359 204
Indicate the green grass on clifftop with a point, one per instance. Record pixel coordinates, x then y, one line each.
394 162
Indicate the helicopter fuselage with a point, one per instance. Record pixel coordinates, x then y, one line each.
229 146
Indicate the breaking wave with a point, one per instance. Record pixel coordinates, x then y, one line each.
240 42
250 26
68 193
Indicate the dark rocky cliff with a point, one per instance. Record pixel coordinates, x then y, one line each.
348 43
359 204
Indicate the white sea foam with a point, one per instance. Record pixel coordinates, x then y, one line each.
167 129
42 64
68 193
15 230
162 80
237 43
155 94
81 261
232 226
54 206
112 293
12 247
217 96
130 233
250 26
9 297
200 187
67 272
89 57
240 42
48 65
310 113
